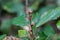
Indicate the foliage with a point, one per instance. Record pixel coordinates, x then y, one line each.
41 14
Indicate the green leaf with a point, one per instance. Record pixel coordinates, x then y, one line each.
2 37
49 38
35 4
47 16
6 25
41 35
19 8
22 33
9 7
45 9
36 16
14 6
48 30
20 21
58 24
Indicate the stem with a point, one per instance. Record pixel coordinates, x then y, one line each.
29 16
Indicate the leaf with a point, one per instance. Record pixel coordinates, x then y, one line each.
41 35
19 8
48 30
9 7
14 6
35 4
36 16
58 24
6 25
45 9
20 21
22 33
47 16
2 37
49 38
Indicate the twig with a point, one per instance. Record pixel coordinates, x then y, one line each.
28 12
